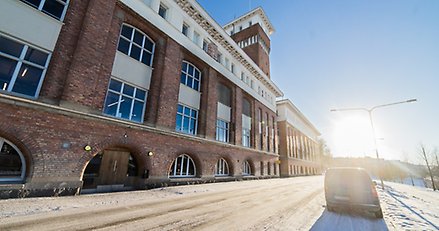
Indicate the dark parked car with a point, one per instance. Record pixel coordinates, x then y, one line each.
351 188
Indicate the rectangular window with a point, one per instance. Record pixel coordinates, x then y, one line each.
227 63
246 137
219 57
232 68
250 23
205 46
163 10
261 141
242 76
196 38
186 120
240 28
267 132
53 8
125 101
185 29
22 68
222 131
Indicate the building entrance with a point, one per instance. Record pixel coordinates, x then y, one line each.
111 170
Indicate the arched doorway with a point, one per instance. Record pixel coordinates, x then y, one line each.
111 170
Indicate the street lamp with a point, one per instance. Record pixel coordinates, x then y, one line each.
370 110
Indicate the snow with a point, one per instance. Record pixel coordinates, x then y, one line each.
277 204
410 208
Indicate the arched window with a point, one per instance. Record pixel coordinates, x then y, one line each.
190 76
246 169
221 168
183 166
136 44
12 162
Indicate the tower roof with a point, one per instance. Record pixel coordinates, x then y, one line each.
257 11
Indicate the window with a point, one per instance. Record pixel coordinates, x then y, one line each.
22 68
190 76
163 10
227 63
242 77
125 101
183 166
196 38
246 137
221 168
222 131
260 129
205 46
240 28
136 44
246 123
250 23
53 8
12 162
246 169
267 132
232 68
185 29
186 120
219 57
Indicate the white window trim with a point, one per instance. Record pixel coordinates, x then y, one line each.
20 60
63 14
174 171
22 159
131 41
223 166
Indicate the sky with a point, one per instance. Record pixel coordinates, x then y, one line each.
355 54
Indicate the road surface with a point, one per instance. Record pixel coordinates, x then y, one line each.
276 204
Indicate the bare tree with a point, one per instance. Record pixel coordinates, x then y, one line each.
424 156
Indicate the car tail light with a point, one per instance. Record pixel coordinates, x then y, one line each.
374 191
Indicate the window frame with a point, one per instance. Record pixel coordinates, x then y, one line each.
121 95
173 167
246 169
246 136
183 115
132 43
20 61
22 176
223 127
41 5
190 76
223 169
162 6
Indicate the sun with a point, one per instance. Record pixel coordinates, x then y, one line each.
352 136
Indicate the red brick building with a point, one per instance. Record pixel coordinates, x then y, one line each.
107 95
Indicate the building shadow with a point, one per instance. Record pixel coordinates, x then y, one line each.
335 221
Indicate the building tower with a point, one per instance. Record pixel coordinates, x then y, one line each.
251 32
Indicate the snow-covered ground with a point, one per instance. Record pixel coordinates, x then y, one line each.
410 208
276 204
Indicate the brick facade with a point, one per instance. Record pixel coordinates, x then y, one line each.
52 131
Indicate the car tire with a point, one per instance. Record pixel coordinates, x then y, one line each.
379 214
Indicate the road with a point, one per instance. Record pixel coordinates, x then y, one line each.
276 204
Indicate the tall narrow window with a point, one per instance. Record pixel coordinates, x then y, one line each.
222 131
186 120
267 132
190 76
22 68
125 101
163 11
246 123
53 8
246 169
183 166
261 140
185 29
221 168
196 38
205 46
12 162
136 44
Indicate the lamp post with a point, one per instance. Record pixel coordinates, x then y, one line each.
369 111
